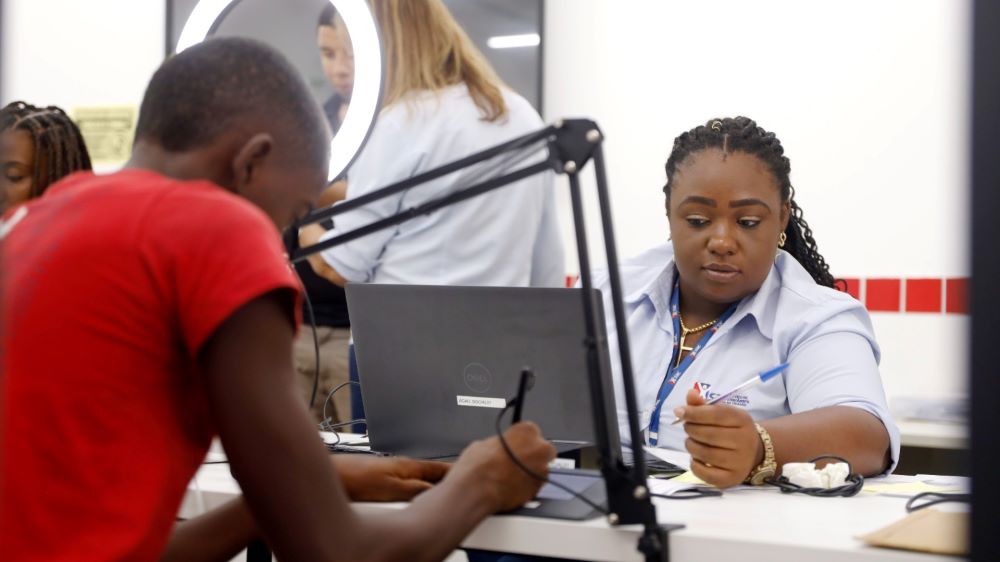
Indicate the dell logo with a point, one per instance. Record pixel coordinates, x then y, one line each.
477 377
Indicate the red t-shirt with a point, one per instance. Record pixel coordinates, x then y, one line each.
112 284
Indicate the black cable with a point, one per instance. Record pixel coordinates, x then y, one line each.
934 498
854 483
338 447
325 424
533 474
312 324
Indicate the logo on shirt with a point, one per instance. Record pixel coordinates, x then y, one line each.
704 390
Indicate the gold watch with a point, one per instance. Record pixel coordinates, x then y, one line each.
767 467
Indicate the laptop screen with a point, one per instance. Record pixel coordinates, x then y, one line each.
438 363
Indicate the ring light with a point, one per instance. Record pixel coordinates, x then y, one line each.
367 91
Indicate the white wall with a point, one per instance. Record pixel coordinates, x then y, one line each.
870 100
71 53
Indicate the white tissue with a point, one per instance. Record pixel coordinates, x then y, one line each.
836 474
803 474
806 475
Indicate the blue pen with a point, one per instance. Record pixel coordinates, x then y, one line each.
762 377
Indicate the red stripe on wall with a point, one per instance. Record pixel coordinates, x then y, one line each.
853 287
923 295
882 295
957 299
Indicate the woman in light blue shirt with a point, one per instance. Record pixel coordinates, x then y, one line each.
443 102
739 289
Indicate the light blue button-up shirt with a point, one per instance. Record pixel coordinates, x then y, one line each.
508 237
825 335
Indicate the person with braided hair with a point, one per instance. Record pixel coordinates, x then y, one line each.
38 146
741 287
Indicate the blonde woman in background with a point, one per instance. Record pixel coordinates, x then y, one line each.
442 101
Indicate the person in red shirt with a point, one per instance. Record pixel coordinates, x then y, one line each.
148 310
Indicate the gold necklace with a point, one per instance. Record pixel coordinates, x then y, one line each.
685 332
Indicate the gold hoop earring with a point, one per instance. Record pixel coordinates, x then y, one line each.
782 238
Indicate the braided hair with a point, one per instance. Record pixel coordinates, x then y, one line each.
742 134
58 144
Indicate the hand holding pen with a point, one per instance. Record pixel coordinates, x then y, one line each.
759 378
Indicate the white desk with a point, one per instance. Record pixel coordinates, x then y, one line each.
745 525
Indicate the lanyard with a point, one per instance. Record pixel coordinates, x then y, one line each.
674 373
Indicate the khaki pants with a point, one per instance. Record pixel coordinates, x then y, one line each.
333 370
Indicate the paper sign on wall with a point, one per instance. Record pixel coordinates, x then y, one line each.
107 130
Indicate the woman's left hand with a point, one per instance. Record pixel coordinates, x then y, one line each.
722 440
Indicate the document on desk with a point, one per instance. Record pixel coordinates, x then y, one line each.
961 482
908 486
688 481
669 487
